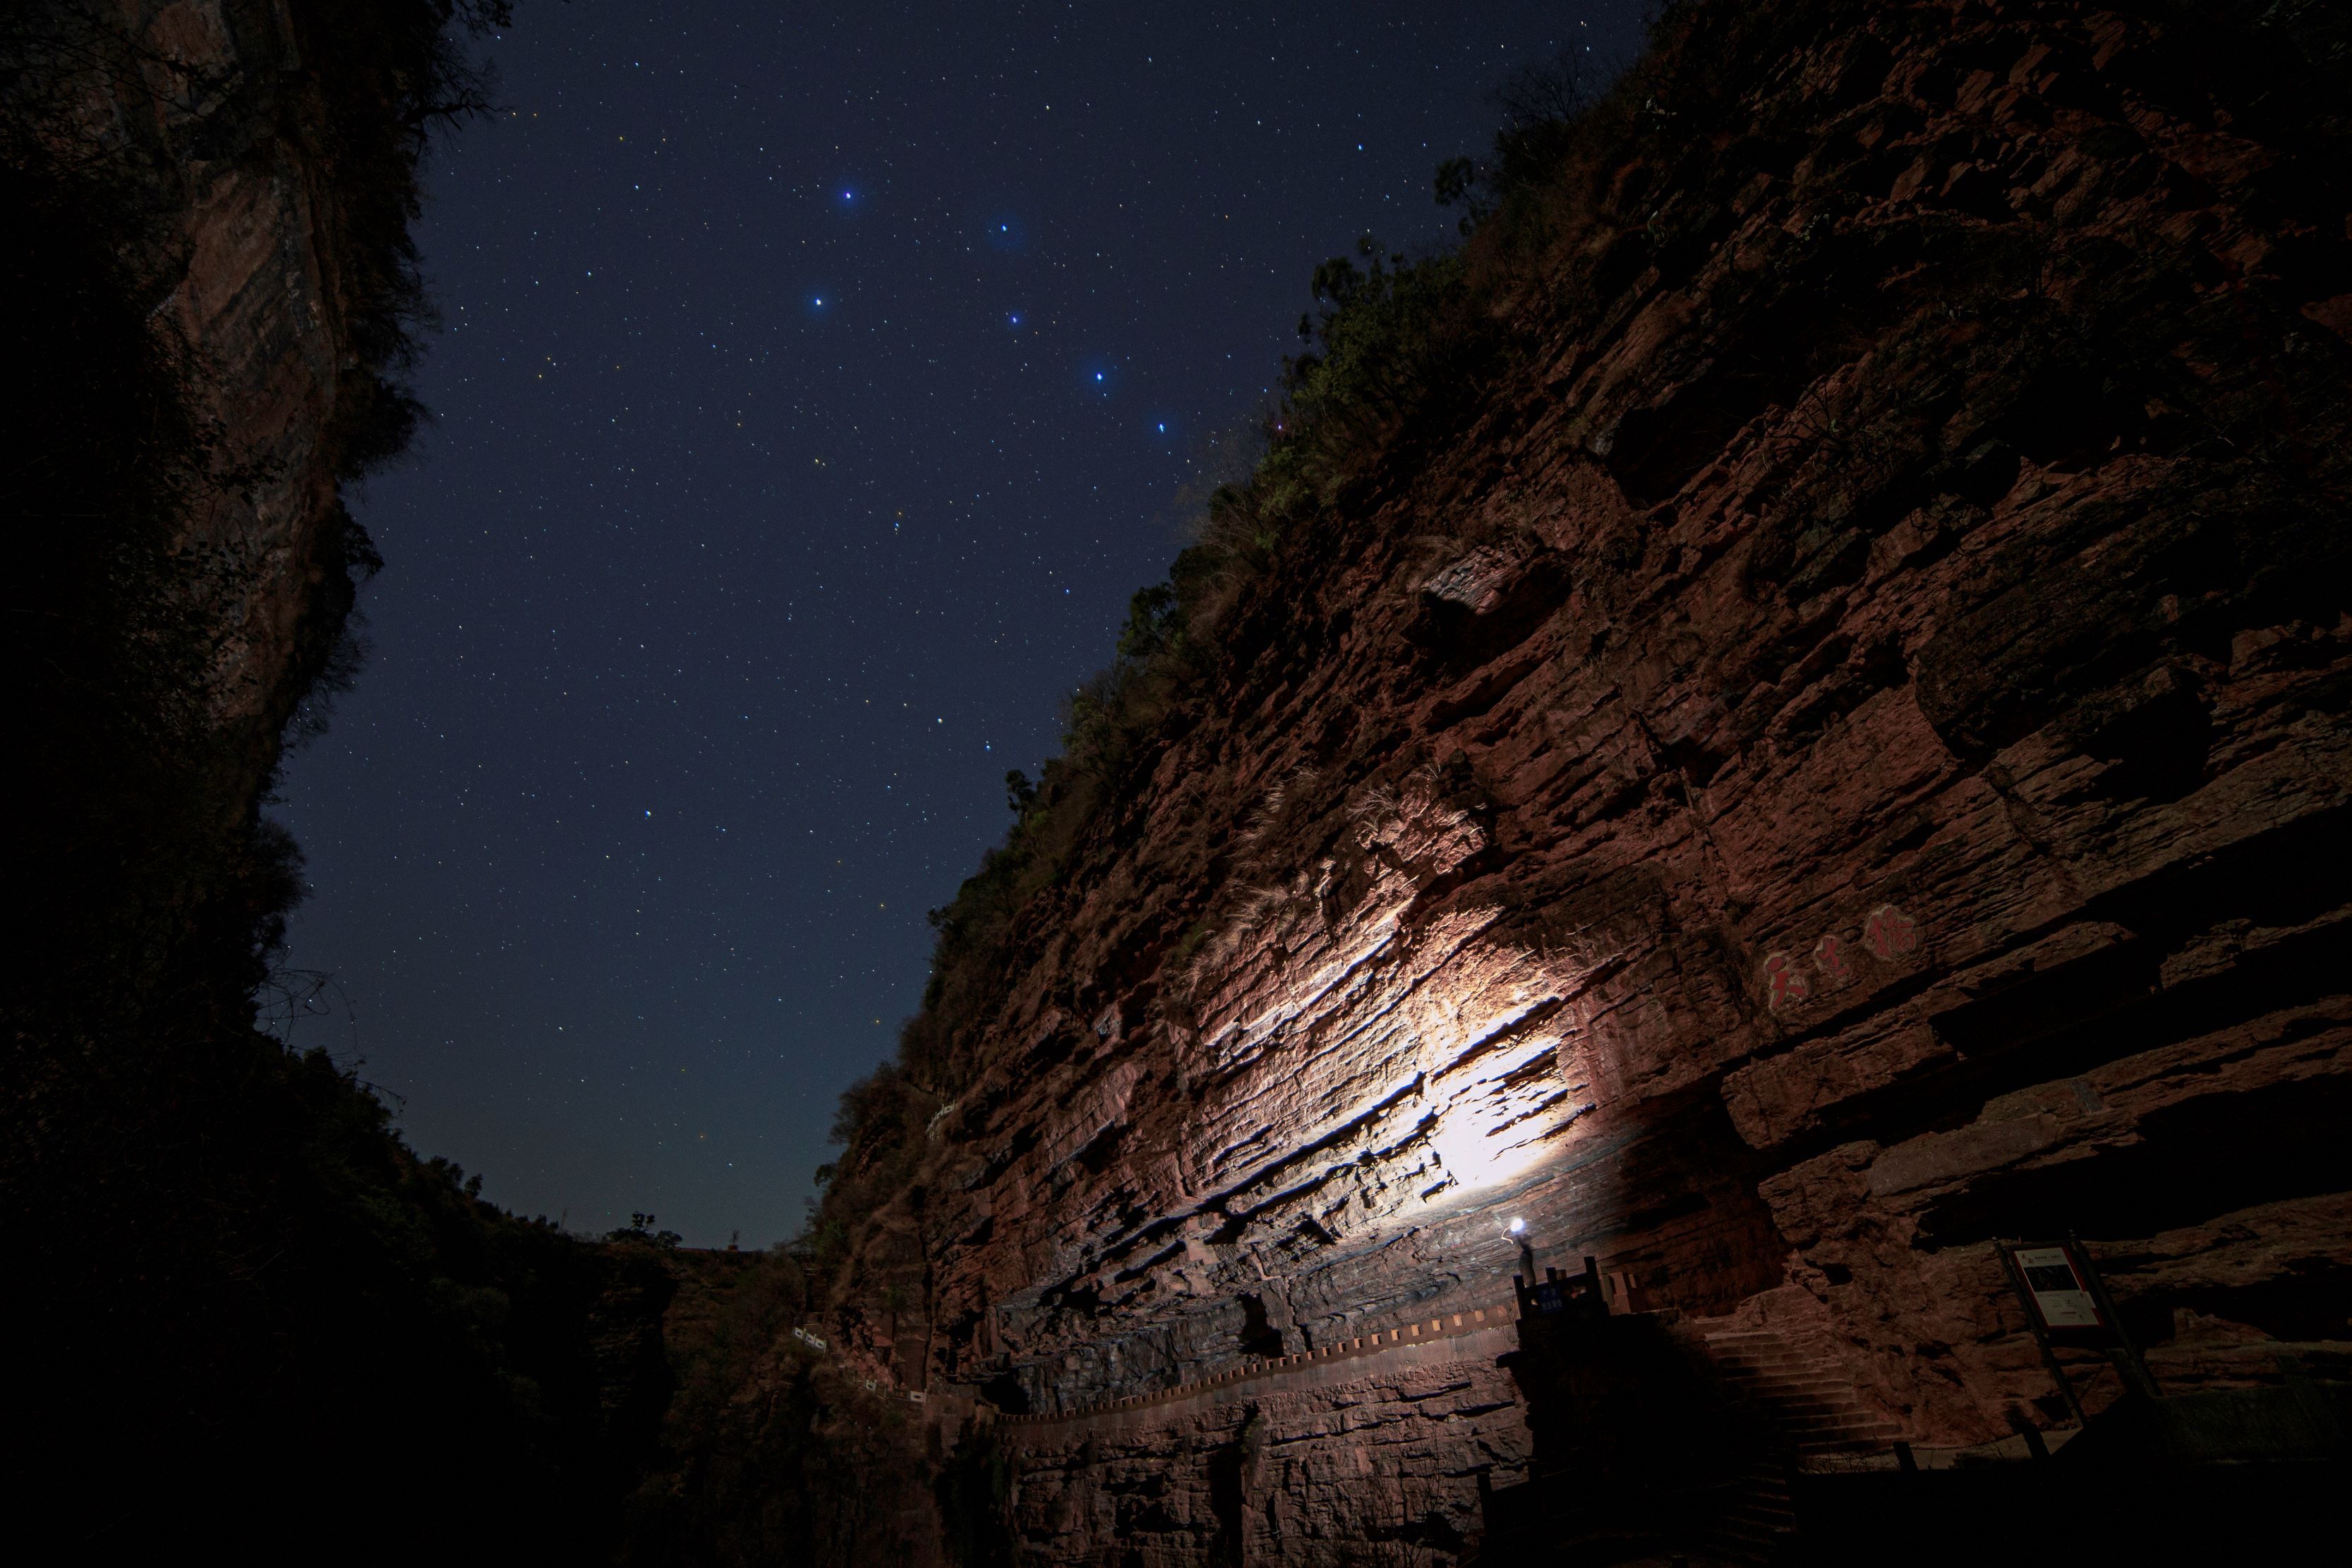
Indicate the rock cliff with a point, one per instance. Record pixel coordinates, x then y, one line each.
244 1312
1810 737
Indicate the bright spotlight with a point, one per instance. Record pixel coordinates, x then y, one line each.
1518 1226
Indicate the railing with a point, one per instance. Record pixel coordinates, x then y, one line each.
1430 1330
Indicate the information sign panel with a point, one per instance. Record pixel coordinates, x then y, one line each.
2054 1283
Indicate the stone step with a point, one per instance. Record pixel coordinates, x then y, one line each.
1790 1374
1749 1549
1856 1446
1760 1514
1844 1397
1767 1355
1795 1388
1753 1341
1825 1399
1788 1411
1805 1394
1786 1374
1819 1416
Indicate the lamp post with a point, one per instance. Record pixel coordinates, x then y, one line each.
1519 1233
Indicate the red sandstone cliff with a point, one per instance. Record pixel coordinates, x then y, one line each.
1829 749
282 284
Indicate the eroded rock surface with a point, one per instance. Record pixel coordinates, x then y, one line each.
1840 756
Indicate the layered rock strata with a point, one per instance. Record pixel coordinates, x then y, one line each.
214 101
1840 756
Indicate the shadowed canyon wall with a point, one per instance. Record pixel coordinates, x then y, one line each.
1817 740
243 1312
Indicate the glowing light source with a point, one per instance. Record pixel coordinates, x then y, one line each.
1518 1227
1482 1138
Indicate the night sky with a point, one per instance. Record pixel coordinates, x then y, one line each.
815 390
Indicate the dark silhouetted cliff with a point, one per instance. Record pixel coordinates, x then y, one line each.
244 1316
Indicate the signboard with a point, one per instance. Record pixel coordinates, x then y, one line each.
2055 1285
2067 1306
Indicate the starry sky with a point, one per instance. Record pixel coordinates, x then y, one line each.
816 384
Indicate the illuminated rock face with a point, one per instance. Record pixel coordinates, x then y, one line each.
257 294
1840 756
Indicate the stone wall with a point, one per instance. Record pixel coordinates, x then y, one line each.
1373 1459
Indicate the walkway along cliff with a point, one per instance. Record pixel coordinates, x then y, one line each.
1777 723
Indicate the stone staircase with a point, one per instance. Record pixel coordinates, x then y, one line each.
1756 1522
1801 1393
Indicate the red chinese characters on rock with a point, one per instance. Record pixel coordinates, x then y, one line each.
1887 935
1890 932
1829 957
